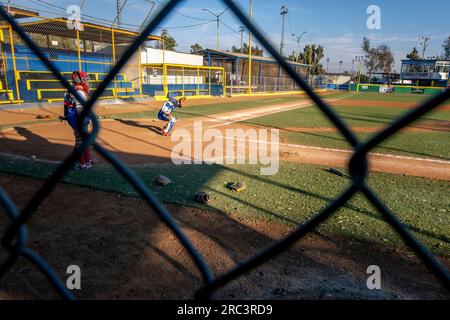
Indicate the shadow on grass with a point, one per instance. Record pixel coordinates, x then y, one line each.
115 237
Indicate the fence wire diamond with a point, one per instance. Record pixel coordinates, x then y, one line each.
15 238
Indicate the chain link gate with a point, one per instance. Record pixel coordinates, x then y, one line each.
15 238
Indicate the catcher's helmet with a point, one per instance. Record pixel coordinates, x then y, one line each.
81 78
171 98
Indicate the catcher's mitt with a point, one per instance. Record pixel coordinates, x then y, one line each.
238 187
162 180
40 116
202 197
181 101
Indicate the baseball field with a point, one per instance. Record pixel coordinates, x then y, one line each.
96 220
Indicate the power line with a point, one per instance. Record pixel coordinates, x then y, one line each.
289 23
188 26
274 26
234 31
183 15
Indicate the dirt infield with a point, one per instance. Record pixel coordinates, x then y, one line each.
23 115
125 252
140 142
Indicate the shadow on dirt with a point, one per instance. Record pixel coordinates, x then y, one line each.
126 252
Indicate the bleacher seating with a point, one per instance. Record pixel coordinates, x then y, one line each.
37 84
42 86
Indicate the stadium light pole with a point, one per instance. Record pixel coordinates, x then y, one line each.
241 30
283 11
218 24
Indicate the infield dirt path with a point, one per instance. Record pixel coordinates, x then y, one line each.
140 142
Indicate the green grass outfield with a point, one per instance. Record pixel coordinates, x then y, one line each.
296 193
396 97
430 144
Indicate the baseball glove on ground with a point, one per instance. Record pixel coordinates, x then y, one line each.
238 187
162 180
202 197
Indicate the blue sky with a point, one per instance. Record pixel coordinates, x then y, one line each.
337 25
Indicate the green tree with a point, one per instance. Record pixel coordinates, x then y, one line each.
169 41
446 47
312 54
379 58
371 59
413 55
386 58
196 48
294 57
256 50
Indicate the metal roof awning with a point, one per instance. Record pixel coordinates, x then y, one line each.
229 54
18 13
90 31
59 27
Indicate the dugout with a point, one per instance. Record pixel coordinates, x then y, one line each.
266 74
85 46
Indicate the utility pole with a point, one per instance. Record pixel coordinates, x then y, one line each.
424 43
298 43
218 24
250 49
284 12
360 60
328 63
241 30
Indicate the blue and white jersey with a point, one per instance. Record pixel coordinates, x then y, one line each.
168 107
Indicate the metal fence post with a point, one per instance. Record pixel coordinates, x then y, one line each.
79 51
113 44
13 57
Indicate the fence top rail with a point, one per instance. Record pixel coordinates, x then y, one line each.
398 86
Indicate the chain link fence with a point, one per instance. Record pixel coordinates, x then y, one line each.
182 80
14 240
69 45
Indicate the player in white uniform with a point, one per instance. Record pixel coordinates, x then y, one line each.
165 114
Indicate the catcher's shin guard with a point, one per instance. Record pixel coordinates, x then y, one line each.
86 159
170 125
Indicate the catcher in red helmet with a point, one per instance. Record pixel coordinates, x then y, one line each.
72 109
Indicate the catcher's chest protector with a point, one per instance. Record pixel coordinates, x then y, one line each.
70 104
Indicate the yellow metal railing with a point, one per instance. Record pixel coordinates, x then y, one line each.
197 75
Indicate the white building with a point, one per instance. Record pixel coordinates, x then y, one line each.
157 56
